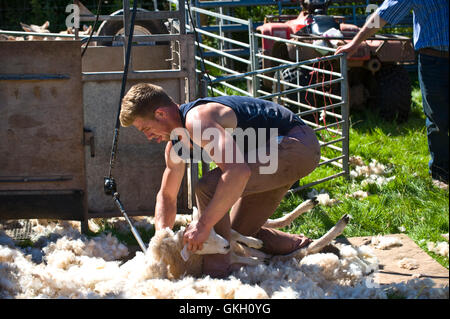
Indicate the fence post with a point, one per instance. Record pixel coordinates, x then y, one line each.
345 115
253 42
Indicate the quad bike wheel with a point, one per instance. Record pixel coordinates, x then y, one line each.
393 93
141 27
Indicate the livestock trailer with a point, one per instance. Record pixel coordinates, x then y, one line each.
58 112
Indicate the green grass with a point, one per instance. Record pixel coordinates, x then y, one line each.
409 201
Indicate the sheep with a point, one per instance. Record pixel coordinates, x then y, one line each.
32 28
180 262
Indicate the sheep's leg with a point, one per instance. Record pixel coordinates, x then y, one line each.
245 260
288 218
246 240
245 251
318 244
326 239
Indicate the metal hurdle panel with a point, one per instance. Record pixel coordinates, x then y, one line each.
328 118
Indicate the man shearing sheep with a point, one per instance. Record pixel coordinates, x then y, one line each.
260 149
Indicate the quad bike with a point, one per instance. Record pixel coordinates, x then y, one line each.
376 76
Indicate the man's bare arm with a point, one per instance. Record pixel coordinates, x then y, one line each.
372 25
166 200
234 175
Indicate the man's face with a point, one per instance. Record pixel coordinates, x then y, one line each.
156 129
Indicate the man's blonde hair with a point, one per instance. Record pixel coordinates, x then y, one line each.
142 100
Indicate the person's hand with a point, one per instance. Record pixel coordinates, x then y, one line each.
349 48
195 235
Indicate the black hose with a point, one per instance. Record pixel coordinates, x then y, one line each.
93 27
122 90
197 39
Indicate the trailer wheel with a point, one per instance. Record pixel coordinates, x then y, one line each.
393 98
141 27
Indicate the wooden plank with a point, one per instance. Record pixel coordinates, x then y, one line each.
390 271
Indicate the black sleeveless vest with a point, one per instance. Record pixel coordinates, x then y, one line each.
251 113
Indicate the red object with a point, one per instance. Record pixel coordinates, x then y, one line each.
279 29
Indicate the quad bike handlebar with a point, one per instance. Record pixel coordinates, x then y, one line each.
315 6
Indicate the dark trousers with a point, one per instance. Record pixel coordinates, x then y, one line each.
433 79
298 156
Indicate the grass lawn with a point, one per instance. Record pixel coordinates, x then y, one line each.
408 204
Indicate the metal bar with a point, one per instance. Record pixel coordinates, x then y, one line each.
300 89
330 161
221 44
301 66
316 182
237 3
218 15
326 108
39 192
279 67
269 37
72 36
153 37
320 128
221 93
182 16
33 77
213 35
234 52
309 107
135 75
28 179
126 38
228 28
228 85
305 88
152 15
253 59
204 46
218 66
333 142
345 115
133 230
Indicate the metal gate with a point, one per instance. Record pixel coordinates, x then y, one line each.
326 108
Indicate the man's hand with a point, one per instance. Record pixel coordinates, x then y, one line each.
372 25
349 48
195 235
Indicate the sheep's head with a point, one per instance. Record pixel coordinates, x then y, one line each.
215 244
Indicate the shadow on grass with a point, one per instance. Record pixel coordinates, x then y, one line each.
367 120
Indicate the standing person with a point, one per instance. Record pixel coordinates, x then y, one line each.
432 42
242 183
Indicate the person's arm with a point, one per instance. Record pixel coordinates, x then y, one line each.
231 184
390 11
372 25
166 200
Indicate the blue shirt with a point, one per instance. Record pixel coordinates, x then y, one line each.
430 19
